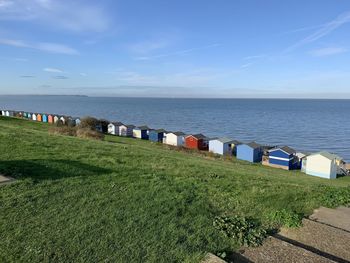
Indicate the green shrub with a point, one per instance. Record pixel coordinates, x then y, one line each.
286 218
336 196
244 231
87 133
89 123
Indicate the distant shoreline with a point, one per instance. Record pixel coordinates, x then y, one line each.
175 98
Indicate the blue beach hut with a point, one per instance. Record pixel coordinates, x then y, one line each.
44 118
156 135
283 157
251 152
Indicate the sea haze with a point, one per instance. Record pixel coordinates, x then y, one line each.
306 125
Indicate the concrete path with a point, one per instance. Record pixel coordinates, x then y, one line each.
5 180
339 217
324 237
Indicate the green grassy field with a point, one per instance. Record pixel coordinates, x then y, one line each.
126 200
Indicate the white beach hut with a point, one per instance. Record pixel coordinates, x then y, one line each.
126 130
113 128
174 138
7 113
34 116
55 119
223 146
322 164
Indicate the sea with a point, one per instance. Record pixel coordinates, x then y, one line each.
307 125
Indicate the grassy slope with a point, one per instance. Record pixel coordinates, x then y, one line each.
131 200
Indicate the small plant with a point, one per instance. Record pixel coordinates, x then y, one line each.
337 196
244 231
286 218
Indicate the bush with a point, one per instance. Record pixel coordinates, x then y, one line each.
244 231
89 123
63 130
87 133
286 218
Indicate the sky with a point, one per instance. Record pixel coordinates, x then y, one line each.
182 48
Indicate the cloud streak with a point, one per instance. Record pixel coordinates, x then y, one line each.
323 31
177 53
53 70
322 52
54 48
57 14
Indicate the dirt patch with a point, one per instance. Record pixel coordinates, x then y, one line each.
5 180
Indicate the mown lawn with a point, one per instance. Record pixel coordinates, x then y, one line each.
126 200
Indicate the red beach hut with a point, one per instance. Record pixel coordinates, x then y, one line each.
50 118
197 141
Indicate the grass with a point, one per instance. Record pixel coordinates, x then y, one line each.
127 200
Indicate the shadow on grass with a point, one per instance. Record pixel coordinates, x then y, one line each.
39 169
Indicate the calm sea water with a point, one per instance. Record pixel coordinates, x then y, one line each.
306 125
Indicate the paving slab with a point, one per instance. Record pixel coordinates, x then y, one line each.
276 250
339 217
5 179
211 258
332 243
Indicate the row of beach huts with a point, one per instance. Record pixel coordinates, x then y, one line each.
321 164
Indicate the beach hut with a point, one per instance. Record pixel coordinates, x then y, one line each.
126 130
63 119
223 146
77 121
50 118
11 113
175 138
29 115
196 141
34 117
39 117
7 113
251 152
56 118
113 128
44 118
156 135
3 113
25 114
282 157
323 164
141 132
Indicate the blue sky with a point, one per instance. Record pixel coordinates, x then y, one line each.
183 48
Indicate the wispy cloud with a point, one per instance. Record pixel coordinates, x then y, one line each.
78 16
246 65
60 77
177 53
323 31
321 52
83 74
41 46
27 76
53 70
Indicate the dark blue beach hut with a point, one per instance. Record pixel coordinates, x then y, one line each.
251 152
283 157
156 135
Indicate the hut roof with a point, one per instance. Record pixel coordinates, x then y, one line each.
143 127
226 140
178 133
286 149
254 145
198 136
117 123
329 155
